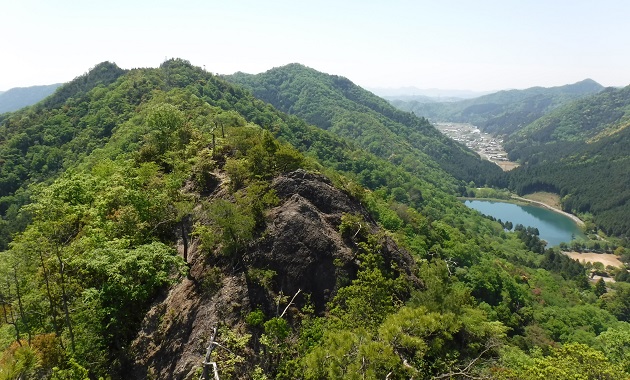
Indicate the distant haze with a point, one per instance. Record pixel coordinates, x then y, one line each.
429 92
483 45
19 97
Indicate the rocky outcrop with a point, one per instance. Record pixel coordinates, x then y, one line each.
301 246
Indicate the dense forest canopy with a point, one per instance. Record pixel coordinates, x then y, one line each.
336 104
581 150
178 202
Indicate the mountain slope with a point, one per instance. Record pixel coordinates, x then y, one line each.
602 114
336 104
192 211
19 97
504 112
101 235
581 150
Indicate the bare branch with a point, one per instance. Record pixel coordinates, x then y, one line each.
358 230
466 371
290 303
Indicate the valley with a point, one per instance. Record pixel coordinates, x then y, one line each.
313 224
486 145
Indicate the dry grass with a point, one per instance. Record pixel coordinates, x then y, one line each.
604 258
506 165
549 199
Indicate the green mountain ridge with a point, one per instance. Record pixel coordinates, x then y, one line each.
581 120
336 104
181 204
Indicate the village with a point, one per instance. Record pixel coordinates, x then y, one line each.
487 146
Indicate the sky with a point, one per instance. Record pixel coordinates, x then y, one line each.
480 45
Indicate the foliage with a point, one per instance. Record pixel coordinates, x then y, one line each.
615 344
336 104
19 362
101 183
74 372
574 361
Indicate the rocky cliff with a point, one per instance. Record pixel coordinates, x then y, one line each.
301 248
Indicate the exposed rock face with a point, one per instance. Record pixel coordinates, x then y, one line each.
301 244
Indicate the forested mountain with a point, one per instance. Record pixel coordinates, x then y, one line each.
588 119
570 140
39 142
19 97
182 204
581 151
503 112
336 104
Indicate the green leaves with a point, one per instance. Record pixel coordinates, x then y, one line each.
615 343
573 361
233 224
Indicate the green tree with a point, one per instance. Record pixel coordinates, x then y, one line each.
615 343
573 361
600 288
345 354
234 226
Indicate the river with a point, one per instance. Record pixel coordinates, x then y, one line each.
554 227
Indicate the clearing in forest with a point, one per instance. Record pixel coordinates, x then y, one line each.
604 258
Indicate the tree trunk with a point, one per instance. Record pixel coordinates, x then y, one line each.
64 299
20 306
51 302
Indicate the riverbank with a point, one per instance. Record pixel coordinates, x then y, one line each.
577 220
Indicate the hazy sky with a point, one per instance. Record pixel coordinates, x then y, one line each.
474 45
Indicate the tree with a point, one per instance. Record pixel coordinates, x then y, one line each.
573 361
618 303
234 226
615 343
600 287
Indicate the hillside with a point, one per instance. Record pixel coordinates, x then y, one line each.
184 204
336 104
586 119
581 151
503 112
570 140
19 97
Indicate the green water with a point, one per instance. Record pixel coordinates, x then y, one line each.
553 227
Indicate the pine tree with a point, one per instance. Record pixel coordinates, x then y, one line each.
600 288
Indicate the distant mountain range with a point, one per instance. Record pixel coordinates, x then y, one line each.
503 112
19 97
433 94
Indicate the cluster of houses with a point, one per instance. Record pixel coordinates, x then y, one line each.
486 145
